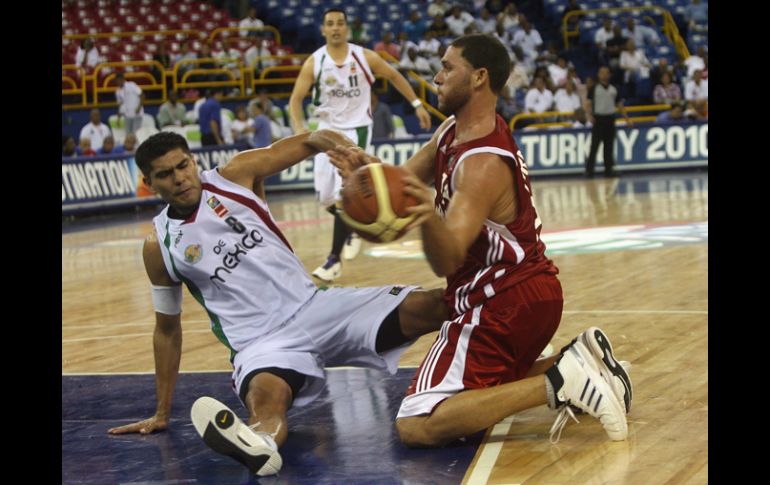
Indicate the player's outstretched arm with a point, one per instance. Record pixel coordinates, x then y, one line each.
383 69
167 342
301 88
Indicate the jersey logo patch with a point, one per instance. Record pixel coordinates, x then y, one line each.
396 290
217 206
193 253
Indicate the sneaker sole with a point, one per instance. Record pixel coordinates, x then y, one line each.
213 435
599 344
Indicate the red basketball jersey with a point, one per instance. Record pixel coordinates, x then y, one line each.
502 255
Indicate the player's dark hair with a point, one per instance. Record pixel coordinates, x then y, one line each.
482 50
156 146
334 9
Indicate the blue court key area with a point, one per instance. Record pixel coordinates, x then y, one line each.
347 436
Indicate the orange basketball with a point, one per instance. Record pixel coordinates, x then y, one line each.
374 203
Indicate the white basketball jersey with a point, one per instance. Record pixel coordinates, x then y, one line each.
342 93
235 262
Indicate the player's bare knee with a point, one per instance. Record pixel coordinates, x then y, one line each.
422 311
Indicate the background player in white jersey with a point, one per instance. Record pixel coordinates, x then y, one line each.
341 75
482 232
216 235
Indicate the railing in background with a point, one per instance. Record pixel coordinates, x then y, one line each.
104 86
68 80
222 30
556 114
670 29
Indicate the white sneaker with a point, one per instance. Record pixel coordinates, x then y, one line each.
613 371
223 432
330 270
575 380
352 246
547 352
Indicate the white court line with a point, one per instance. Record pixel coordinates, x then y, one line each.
489 452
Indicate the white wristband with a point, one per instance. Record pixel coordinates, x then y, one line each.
416 103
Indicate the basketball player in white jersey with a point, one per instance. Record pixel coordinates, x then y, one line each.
341 75
217 236
482 232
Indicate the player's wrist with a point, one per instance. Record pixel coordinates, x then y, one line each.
417 103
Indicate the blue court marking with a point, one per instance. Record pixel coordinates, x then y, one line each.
346 436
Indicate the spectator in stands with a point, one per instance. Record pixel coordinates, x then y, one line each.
267 106
415 27
572 22
697 16
675 114
602 35
458 21
85 149
667 92
643 36
558 72
250 21
358 33
262 131
428 48
435 61
505 37
229 58
634 64
382 123
172 112
95 130
496 6
509 19
485 22
186 53
517 79
243 126
439 26
527 62
209 119
437 7
581 121
572 76
164 58
387 45
542 72
656 73
416 63
698 111
130 99
705 71
695 62
697 88
567 100
539 99
601 105
108 146
257 55
528 38
130 143
548 56
68 146
87 55
615 46
226 118
404 44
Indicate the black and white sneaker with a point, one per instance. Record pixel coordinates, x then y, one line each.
613 371
574 380
224 433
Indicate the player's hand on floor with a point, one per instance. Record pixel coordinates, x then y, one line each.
147 426
424 209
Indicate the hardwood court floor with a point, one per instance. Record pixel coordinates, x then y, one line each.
632 254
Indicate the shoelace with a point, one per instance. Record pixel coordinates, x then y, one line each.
253 427
561 420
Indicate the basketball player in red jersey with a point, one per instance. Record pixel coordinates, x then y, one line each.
482 232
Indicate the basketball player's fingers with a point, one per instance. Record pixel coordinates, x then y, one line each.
419 220
415 187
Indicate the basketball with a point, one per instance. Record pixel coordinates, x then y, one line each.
374 203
